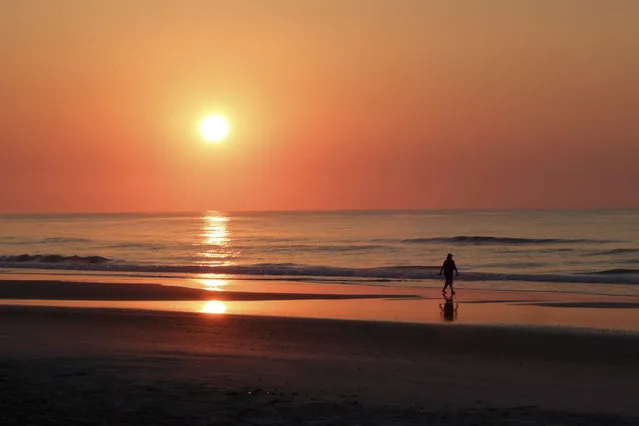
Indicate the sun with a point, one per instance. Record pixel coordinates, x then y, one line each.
214 128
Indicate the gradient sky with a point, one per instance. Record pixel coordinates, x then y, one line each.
359 104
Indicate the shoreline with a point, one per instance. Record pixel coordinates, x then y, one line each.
617 288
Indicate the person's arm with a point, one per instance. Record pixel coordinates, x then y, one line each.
441 269
455 268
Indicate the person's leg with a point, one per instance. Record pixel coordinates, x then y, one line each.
449 282
452 289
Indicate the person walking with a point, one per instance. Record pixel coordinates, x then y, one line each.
448 267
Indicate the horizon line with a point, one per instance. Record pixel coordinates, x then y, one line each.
285 211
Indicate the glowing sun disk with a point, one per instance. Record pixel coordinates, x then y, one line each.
214 128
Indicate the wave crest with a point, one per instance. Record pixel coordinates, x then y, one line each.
308 272
616 271
65 240
480 239
617 251
53 258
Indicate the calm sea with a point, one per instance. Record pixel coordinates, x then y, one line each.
566 251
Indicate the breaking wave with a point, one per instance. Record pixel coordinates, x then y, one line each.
318 247
288 270
617 271
466 239
65 240
617 251
30 259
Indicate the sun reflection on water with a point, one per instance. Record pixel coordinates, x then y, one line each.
213 284
215 230
214 307
215 241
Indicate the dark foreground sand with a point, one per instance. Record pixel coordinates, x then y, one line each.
61 366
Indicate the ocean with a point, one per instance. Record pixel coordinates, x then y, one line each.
594 252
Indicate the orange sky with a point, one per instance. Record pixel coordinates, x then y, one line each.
360 104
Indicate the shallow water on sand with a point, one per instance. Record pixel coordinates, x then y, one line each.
313 300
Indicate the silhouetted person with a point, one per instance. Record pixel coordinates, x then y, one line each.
449 311
448 268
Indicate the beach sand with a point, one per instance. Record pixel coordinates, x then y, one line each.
328 301
65 365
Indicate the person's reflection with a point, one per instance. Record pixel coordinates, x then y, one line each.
449 309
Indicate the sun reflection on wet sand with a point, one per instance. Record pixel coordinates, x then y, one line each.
213 307
477 310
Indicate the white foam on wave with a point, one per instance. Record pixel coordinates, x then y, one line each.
285 270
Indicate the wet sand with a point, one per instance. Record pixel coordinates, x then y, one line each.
106 366
392 362
329 301
66 365
69 290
